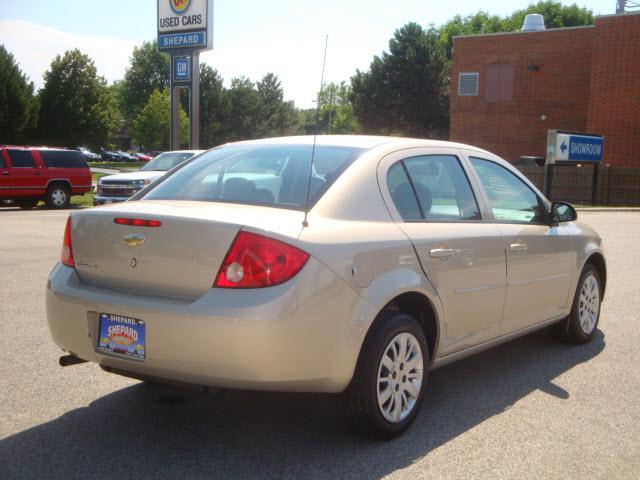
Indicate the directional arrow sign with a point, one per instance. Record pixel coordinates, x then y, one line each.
578 148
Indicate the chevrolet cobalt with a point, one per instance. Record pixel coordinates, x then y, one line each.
348 264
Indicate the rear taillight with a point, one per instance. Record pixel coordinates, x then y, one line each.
66 256
256 261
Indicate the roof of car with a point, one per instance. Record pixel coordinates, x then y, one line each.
184 151
357 141
28 147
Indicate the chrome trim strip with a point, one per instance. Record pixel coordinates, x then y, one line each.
537 279
479 289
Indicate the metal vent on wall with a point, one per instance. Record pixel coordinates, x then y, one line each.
468 83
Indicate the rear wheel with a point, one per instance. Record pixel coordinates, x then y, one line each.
582 323
58 196
385 394
28 203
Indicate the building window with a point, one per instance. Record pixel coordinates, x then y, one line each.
468 84
500 80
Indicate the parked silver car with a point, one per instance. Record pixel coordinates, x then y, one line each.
413 254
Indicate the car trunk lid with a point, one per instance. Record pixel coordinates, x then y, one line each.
181 257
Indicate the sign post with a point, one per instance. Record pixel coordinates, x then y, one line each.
185 28
565 148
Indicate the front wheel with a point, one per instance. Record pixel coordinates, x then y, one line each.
581 325
385 393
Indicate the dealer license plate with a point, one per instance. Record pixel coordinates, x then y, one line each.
123 336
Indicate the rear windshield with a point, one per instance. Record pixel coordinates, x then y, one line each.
166 161
63 159
269 175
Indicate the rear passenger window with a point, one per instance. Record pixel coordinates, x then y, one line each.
21 158
402 193
441 186
63 159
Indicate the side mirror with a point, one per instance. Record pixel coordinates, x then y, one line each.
563 212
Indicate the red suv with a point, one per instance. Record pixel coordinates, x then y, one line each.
28 175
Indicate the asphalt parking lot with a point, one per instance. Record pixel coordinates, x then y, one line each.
534 408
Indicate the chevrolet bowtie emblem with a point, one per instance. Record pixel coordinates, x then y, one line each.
134 239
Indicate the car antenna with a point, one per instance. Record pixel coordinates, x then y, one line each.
305 223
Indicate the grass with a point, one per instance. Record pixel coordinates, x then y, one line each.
96 176
85 200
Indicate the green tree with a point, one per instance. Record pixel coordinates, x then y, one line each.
555 14
149 70
244 110
76 106
275 116
152 125
336 110
306 121
214 108
18 107
405 91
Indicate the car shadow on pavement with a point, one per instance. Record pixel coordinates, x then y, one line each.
41 208
150 431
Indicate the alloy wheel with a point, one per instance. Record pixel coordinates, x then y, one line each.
400 376
589 306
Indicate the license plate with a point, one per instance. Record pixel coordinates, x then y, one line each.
123 336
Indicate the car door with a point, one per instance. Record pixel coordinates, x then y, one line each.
539 255
25 176
5 182
430 196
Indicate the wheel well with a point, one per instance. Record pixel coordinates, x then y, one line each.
66 183
419 307
597 260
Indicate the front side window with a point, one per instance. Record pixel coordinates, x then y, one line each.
269 175
21 158
511 199
440 185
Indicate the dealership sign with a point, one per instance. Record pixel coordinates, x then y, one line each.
578 148
185 25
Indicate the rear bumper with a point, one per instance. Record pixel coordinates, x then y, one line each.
304 335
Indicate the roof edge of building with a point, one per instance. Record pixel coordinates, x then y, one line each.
520 32
560 29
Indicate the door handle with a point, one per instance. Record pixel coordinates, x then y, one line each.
441 252
36 172
518 247
5 172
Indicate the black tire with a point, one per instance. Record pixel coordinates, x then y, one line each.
360 400
28 203
58 196
571 329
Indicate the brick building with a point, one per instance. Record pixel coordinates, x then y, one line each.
508 89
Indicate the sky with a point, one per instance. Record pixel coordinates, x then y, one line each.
251 37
